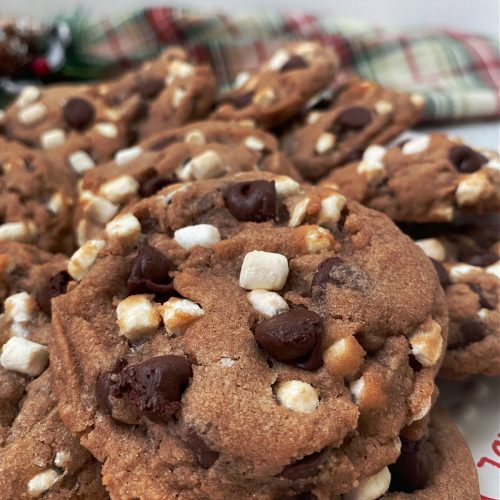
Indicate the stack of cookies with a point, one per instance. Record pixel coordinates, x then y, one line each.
213 296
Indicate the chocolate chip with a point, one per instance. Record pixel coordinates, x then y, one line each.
150 273
242 100
472 330
55 286
155 386
254 201
337 272
480 258
443 277
466 159
151 182
102 389
483 300
148 89
78 113
354 118
205 455
412 469
305 467
295 62
292 337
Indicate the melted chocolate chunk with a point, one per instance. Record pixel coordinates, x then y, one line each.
472 330
480 258
337 272
412 469
295 62
148 89
351 119
242 100
254 201
204 454
78 113
443 277
483 300
155 386
150 273
305 467
151 182
466 159
55 286
292 337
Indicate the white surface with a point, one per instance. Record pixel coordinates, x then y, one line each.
485 134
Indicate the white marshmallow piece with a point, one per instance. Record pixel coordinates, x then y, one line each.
195 137
298 396
356 387
433 248
427 343
266 302
137 316
456 273
52 138
265 270
371 164
178 314
204 235
278 60
120 189
318 239
62 459
472 188
180 69
55 203
17 231
28 95
81 161
298 212
241 78
331 208
125 228
32 114
372 487
97 208
177 98
125 156
417 145
285 186
42 482
107 129
20 307
83 259
24 356
494 269
325 143
254 143
206 165
383 107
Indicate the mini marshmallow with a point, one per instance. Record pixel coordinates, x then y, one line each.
494 269
226 362
417 100
372 487
177 98
207 165
472 188
204 235
356 387
55 203
97 208
433 248
331 208
298 212
42 482
263 270
383 107
126 228
325 143
106 129
180 69
318 239
178 314
62 459
313 117
137 317
374 153
344 357
32 113
460 270
267 303
493 164
241 78
254 143
195 137
278 60
285 186
427 343
17 231
83 259
417 145
265 97
120 189
24 356
125 156
28 95
371 165
296 395
52 138
81 161
185 172
20 307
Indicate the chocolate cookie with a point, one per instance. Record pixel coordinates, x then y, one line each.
431 178
279 89
244 337
202 150
343 121
470 274
38 455
36 199
83 125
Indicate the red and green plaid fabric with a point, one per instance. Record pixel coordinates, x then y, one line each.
458 73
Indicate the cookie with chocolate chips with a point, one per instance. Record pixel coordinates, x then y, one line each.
36 199
260 339
430 178
467 259
199 151
38 455
341 122
82 125
278 89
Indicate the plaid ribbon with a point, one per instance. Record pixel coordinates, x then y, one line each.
458 73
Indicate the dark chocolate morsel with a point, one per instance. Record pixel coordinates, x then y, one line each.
480 258
483 300
444 279
466 159
78 113
148 89
339 273
151 182
242 100
150 273
295 62
473 330
305 467
412 469
354 118
292 337
254 201
55 286
205 455
155 386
